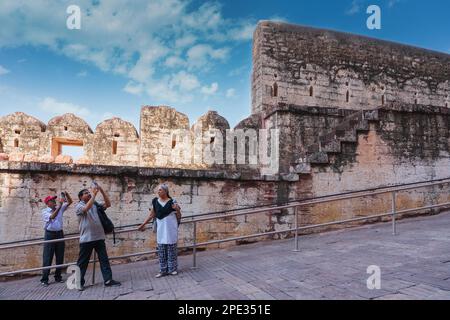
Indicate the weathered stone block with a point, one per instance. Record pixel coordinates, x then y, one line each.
62 159
16 157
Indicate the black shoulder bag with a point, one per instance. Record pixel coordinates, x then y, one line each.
107 224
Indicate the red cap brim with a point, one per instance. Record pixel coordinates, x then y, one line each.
49 198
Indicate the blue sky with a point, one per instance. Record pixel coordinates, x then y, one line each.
191 55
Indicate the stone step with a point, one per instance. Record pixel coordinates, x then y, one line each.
371 115
333 146
362 125
302 168
331 142
318 158
348 135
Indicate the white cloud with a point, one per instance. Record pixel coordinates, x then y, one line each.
185 41
238 71
134 88
184 81
82 74
173 62
207 17
212 89
231 93
51 105
132 38
176 88
358 5
198 56
3 70
161 90
354 8
278 19
143 70
244 32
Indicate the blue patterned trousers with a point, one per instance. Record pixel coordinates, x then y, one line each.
168 257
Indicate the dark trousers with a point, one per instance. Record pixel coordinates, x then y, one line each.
53 249
85 254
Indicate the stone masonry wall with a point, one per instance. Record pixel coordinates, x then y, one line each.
313 67
408 143
24 185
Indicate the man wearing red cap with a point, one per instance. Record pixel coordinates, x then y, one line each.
53 226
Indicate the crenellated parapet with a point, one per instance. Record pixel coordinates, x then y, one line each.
66 130
117 143
166 140
159 125
20 136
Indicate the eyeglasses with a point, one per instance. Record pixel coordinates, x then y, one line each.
86 193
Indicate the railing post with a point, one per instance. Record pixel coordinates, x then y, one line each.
194 251
93 268
296 229
394 210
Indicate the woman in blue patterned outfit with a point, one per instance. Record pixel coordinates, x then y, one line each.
167 215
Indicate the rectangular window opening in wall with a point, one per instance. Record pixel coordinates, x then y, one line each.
174 141
16 143
275 90
17 131
68 147
114 147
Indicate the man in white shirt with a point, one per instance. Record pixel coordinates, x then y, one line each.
52 217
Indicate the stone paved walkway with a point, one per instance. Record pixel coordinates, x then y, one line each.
415 264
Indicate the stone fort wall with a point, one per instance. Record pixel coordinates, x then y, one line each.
394 129
313 67
23 185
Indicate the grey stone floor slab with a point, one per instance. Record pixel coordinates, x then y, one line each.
415 264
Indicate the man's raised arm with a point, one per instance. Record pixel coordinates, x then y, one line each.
69 198
90 202
106 198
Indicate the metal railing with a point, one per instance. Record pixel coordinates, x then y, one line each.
296 205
